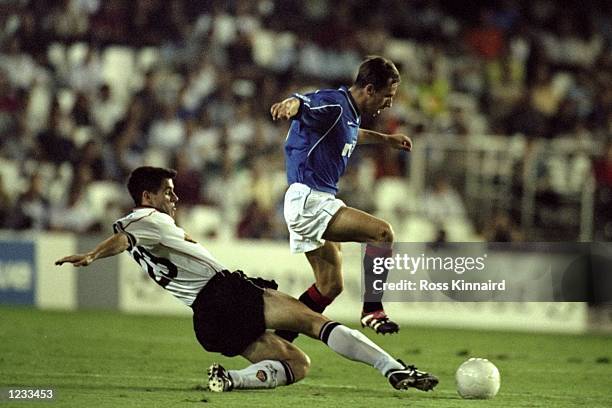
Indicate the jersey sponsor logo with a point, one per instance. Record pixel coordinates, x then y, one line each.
348 149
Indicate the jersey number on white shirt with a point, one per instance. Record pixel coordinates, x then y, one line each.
161 270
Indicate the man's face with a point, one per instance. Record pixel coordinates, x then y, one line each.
165 199
380 99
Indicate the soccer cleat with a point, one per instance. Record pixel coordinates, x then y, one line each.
409 376
219 379
379 322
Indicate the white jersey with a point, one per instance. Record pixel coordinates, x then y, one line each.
166 253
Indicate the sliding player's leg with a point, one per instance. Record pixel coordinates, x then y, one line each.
285 312
275 361
350 224
278 362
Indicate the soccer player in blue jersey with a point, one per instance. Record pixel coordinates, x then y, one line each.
324 131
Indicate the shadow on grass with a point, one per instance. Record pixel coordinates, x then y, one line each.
112 387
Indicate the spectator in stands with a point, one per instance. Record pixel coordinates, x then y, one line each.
501 228
81 110
202 142
255 222
74 214
105 111
128 140
167 130
110 23
6 207
148 96
188 180
442 202
12 110
603 204
85 75
32 207
53 142
486 39
91 157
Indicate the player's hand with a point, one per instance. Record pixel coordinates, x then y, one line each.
400 142
76 260
285 109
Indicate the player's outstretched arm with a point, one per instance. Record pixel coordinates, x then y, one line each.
285 109
109 247
397 141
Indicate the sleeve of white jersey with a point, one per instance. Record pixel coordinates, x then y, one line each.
141 231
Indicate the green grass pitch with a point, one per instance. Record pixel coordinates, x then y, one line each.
107 359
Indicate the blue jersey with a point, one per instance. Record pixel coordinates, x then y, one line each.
321 139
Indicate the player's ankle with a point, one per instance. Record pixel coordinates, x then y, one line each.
372 307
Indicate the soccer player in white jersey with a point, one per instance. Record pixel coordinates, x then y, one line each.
325 128
231 312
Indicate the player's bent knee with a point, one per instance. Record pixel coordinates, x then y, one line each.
385 233
300 364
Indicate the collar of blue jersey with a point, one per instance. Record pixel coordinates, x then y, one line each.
351 100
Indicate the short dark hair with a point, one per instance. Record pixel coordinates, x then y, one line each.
377 71
147 178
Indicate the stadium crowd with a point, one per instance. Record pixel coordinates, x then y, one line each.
90 89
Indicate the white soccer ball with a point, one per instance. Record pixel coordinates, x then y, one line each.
477 378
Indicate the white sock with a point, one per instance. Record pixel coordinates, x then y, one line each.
353 345
265 374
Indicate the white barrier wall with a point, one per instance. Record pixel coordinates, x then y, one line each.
49 286
56 287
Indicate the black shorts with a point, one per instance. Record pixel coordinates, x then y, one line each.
228 313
